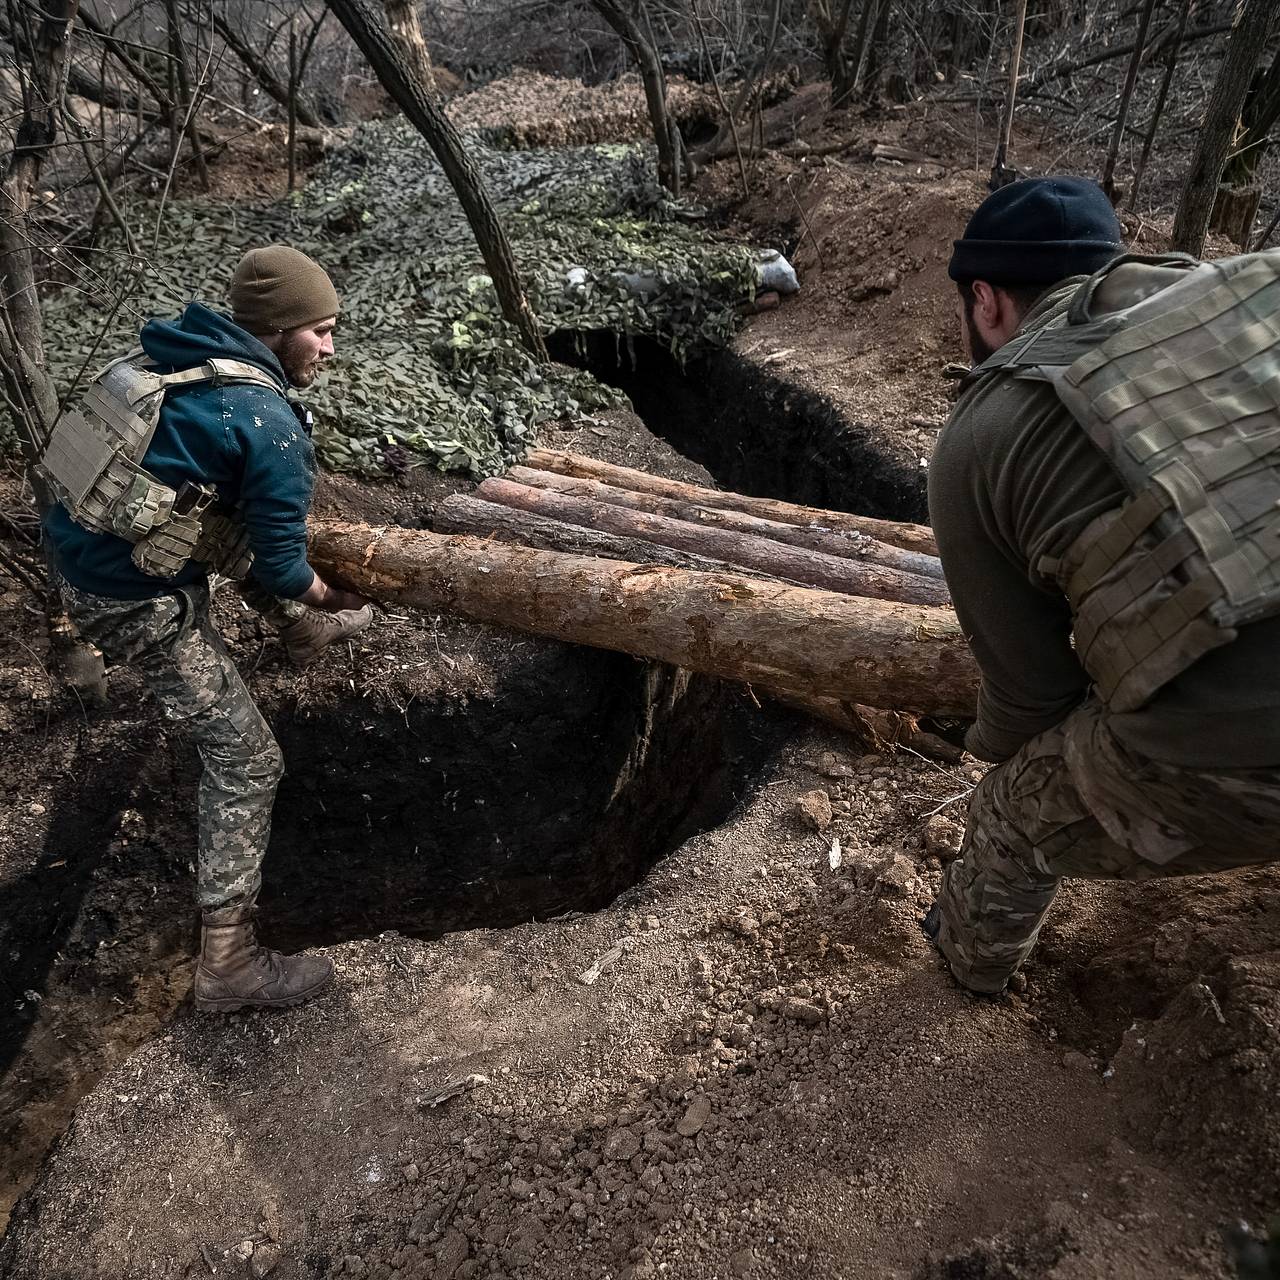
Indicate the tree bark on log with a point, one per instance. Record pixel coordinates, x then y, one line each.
844 543
461 513
367 29
778 559
911 537
817 644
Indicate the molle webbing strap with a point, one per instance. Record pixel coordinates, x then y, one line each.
1130 649
1138 515
1107 601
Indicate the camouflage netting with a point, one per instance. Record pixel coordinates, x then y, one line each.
529 109
426 366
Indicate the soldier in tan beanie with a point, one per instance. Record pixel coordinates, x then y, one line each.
287 301
224 479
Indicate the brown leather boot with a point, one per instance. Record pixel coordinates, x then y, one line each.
236 973
305 638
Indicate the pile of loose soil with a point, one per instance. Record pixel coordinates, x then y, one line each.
751 1065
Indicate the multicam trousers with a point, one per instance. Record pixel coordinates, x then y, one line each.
171 643
1075 802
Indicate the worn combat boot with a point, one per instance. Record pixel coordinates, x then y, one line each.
236 973
307 636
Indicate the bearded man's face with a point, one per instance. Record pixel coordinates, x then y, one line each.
303 352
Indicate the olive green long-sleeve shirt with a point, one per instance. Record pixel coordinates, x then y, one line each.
1014 478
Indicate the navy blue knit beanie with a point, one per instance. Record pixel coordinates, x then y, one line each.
1038 231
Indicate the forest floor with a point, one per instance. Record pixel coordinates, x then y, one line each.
738 1059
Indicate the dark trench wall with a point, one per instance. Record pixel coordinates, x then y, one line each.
756 432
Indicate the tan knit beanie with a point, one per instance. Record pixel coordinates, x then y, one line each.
277 288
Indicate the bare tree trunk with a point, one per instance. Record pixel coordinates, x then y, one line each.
779 559
402 18
843 543
1239 193
1126 95
261 70
831 30
814 643
185 98
29 389
913 537
1222 117
397 77
666 133
1173 48
1001 174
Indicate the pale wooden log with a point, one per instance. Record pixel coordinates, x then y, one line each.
845 543
913 537
462 513
853 577
815 643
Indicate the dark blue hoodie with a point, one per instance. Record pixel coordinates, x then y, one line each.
244 440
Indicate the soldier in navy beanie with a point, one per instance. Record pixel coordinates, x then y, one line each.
1022 239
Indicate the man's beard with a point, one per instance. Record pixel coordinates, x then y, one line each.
299 366
979 350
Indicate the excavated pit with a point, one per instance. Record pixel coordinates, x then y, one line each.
756 431
441 776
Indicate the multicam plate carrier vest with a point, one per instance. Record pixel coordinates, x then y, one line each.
93 461
1181 391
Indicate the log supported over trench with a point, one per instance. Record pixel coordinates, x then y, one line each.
780 559
912 537
845 543
461 513
799 641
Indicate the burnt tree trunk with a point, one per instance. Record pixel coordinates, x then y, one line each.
816 644
1213 143
844 543
912 537
398 78
666 133
852 577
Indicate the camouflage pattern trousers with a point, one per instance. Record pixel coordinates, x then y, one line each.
171 643
1075 802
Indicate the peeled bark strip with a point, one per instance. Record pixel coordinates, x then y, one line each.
845 543
853 577
461 513
793 639
912 537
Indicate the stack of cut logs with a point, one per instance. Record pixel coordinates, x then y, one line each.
830 612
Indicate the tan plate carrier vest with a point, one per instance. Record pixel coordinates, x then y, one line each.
93 461
1181 391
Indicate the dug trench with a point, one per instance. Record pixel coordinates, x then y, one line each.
440 777
448 782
